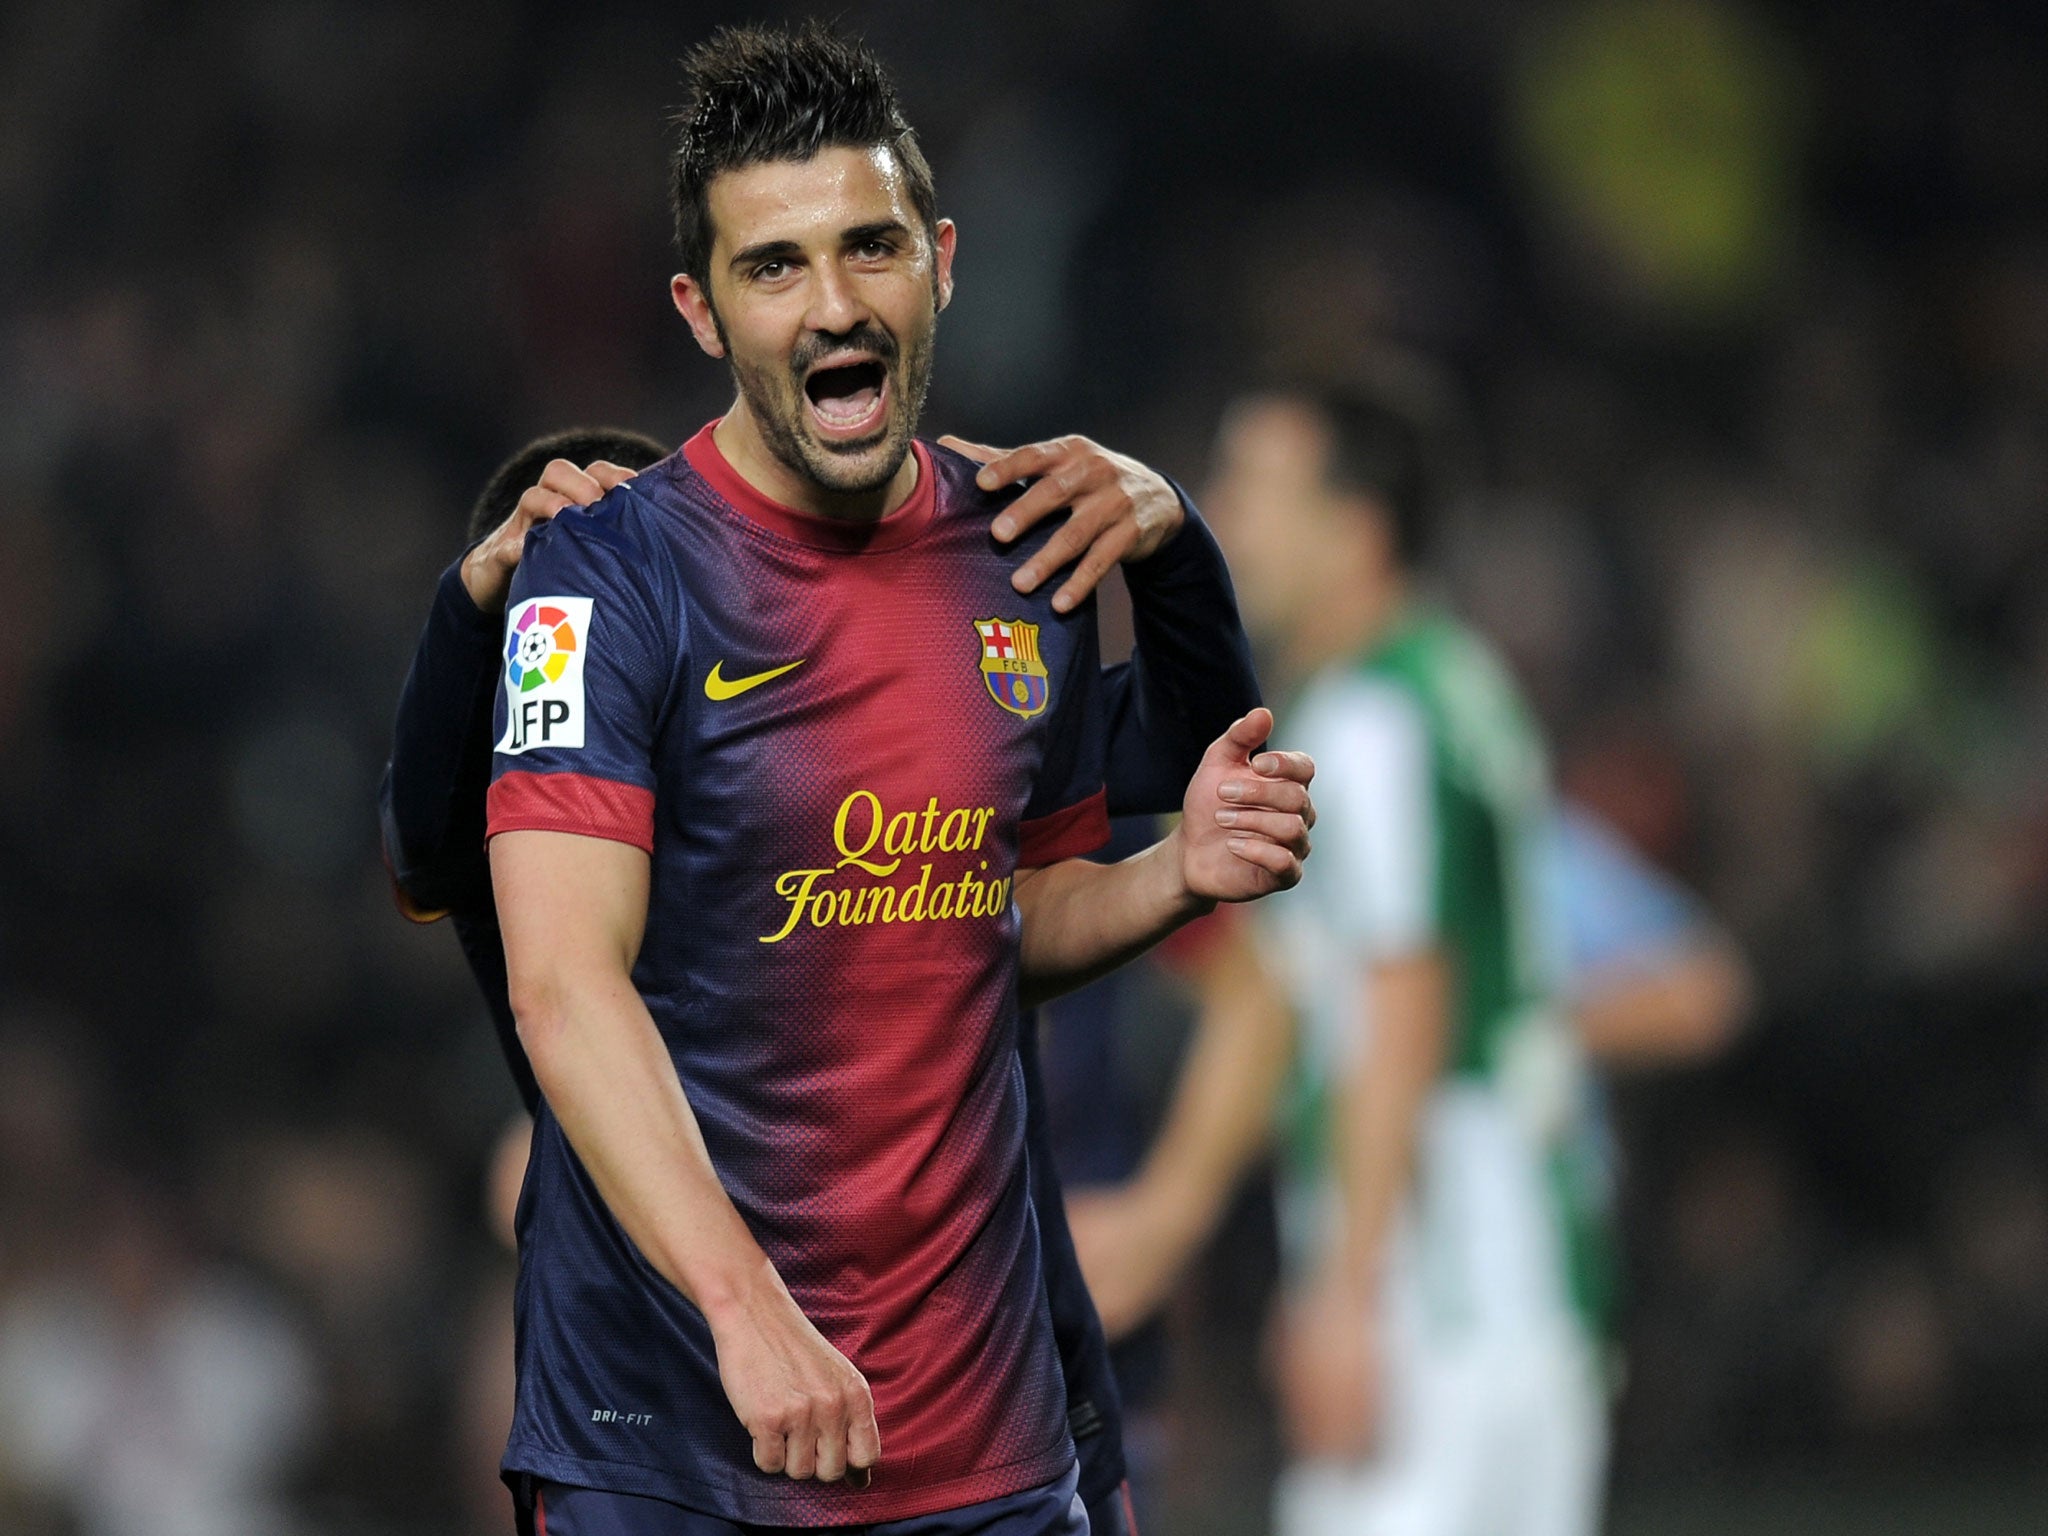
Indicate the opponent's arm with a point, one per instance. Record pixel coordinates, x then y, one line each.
1243 834
1682 1005
1379 1106
1385 902
1134 1239
1329 1371
572 909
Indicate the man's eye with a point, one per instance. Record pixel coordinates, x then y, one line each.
771 270
872 250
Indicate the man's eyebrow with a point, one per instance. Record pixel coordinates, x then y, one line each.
862 233
766 250
786 250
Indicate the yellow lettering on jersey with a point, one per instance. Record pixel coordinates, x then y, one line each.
862 822
866 804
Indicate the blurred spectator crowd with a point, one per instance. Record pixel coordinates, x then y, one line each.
1750 304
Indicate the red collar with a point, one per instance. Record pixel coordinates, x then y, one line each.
892 532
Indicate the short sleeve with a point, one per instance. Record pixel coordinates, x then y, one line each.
591 649
1375 864
1616 908
1067 815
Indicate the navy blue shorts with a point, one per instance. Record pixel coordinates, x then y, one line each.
561 1510
1111 1515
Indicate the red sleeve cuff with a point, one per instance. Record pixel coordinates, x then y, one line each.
1080 829
570 802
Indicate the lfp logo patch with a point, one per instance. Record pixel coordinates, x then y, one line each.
1011 666
546 639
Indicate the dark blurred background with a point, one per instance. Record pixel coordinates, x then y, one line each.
1750 303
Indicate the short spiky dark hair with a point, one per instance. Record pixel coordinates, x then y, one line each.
1395 435
1379 444
579 445
777 93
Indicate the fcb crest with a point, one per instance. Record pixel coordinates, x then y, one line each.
1011 666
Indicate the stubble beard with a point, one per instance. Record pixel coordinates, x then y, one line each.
776 400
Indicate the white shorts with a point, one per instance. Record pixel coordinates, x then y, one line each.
1494 1419
1472 1445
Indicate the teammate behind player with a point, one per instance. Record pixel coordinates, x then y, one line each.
775 706
431 802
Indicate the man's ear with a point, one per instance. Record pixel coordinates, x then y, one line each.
693 303
1368 523
942 255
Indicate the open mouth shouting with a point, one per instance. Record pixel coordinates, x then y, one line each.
848 400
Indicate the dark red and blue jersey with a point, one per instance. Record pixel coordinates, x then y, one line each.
1189 677
837 743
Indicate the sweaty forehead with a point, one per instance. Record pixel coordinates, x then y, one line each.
807 201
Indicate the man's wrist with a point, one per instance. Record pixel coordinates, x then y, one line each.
1184 901
728 1290
455 604
486 587
1173 553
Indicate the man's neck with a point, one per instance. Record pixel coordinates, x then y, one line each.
740 439
1351 625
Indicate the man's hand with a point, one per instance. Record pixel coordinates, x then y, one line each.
1244 823
1242 835
1121 509
487 569
1326 1371
612 1085
810 1412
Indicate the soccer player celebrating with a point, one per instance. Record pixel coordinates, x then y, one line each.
1189 677
789 786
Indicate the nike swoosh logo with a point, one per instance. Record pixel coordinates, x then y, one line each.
719 688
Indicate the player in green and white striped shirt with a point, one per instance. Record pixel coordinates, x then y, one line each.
1440 1360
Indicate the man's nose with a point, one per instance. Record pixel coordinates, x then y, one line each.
836 305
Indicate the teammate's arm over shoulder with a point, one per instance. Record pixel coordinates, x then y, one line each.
1243 834
488 568
1119 510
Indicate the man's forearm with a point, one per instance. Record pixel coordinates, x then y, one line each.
1222 1103
1380 1104
432 802
608 1078
1083 920
1242 835
1681 1006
